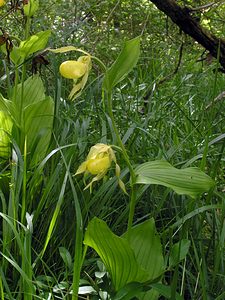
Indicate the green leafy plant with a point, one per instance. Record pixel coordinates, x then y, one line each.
27 116
163 233
135 261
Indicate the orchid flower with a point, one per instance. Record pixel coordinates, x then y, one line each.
98 162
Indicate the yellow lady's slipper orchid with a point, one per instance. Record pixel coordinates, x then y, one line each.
78 70
98 162
72 69
2 2
98 165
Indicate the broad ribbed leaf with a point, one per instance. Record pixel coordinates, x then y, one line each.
189 181
115 253
38 122
33 91
129 291
34 43
5 104
152 294
32 113
67 259
165 291
179 252
146 244
5 133
125 62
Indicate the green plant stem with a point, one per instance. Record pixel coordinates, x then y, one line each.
14 37
26 35
126 157
78 255
1 290
24 205
16 82
103 66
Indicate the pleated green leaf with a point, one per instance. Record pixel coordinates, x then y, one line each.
152 294
129 291
5 133
38 123
30 92
5 104
146 244
179 252
32 113
188 181
6 124
147 247
125 62
116 254
34 43
165 291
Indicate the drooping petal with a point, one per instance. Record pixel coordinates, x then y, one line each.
122 186
76 91
78 87
67 49
120 182
96 178
82 168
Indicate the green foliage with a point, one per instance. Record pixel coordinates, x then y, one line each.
116 253
189 181
32 114
146 244
174 118
34 43
179 252
165 291
31 7
5 130
27 47
123 65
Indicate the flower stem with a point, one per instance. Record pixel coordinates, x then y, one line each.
130 167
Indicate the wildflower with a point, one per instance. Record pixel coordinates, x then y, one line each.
2 2
72 69
98 162
78 70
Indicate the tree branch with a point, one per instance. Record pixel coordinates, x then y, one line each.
182 17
